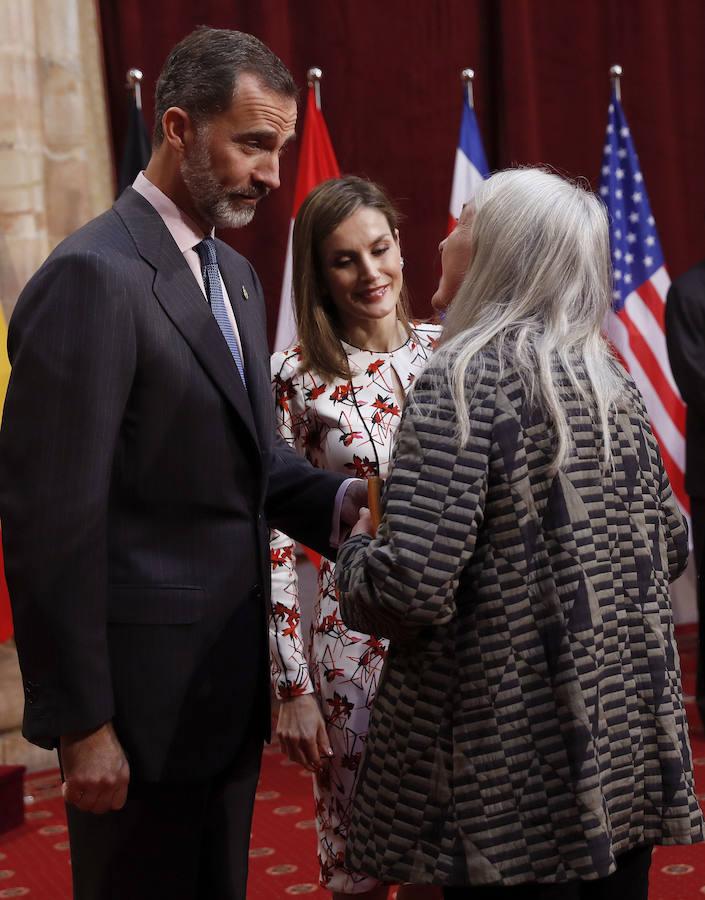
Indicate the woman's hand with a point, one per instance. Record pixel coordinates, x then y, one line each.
302 732
363 524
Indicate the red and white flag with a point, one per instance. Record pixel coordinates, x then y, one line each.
640 283
317 163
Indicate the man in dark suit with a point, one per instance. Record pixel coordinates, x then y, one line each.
685 337
139 472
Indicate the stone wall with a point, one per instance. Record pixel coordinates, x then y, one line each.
55 174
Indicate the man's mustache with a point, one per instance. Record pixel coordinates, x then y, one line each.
252 193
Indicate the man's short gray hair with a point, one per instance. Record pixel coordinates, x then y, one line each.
200 75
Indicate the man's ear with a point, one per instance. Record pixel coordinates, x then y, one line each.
177 127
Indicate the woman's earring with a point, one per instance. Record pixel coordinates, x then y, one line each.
401 264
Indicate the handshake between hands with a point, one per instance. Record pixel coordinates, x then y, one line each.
354 511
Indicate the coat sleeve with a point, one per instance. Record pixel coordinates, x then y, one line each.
405 579
301 499
289 667
73 350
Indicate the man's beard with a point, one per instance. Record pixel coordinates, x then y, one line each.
215 203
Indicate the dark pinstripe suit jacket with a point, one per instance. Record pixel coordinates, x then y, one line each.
685 336
137 479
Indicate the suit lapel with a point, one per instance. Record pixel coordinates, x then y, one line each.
180 296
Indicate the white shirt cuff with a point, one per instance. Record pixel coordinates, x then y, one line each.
339 497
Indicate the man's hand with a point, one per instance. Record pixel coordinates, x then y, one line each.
96 771
302 731
363 524
355 498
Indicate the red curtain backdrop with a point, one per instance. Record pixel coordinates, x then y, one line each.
392 95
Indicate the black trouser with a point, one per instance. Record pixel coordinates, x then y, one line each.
629 882
697 518
181 841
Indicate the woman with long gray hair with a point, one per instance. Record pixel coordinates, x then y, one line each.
528 738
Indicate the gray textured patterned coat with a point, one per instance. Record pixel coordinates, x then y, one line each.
529 724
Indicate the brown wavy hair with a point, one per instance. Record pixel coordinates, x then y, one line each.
329 204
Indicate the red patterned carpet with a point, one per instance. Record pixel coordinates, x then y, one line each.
34 859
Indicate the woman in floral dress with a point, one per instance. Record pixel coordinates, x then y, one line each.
339 393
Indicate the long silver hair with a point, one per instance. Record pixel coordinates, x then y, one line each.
535 295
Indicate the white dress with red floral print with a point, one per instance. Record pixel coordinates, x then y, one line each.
345 426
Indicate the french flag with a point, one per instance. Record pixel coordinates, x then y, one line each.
470 162
317 163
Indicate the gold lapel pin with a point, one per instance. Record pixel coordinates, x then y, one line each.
245 295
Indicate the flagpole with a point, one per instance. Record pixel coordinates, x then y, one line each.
616 75
313 76
468 76
134 83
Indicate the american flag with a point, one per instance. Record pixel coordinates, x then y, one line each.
640 283
470 162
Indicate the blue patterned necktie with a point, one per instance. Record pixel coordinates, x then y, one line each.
214 292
